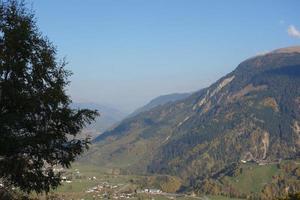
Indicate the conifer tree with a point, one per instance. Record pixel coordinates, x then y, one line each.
38 128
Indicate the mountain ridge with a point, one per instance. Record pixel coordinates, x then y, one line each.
160 100
250 114
109 116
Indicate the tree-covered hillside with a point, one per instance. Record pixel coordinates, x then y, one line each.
251 115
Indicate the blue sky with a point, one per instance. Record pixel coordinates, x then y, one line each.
125 52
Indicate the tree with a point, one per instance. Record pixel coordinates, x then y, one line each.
38 128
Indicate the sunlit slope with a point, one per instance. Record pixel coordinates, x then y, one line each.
251 114
161 100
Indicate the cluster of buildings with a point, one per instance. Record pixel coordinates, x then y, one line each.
68 177
106 190
151 191
104 186
262 162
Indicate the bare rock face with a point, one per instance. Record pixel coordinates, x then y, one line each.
271 102
265 144
296 128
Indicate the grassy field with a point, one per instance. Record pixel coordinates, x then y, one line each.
82 178
91 176
221 198
161 197
253 177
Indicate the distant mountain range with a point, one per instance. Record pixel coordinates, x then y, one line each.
251 114
108 117
159 101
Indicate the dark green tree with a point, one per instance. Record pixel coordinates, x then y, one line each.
38 128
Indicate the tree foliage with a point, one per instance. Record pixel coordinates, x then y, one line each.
38 128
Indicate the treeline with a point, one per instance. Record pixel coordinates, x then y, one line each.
284 185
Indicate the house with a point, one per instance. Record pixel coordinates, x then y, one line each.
155 191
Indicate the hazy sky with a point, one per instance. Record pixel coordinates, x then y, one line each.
125 52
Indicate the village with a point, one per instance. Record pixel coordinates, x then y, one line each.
100 188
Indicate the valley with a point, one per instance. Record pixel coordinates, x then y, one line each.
246 118
149 100
90 182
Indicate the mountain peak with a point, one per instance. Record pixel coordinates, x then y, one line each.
291 49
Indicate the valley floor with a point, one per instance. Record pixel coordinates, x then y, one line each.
91 183
88 182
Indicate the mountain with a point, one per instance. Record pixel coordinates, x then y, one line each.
251 115
108 117
159 101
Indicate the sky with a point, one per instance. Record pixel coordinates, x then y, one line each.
123 53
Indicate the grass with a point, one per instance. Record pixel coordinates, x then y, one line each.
77 189
253 177
221 198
